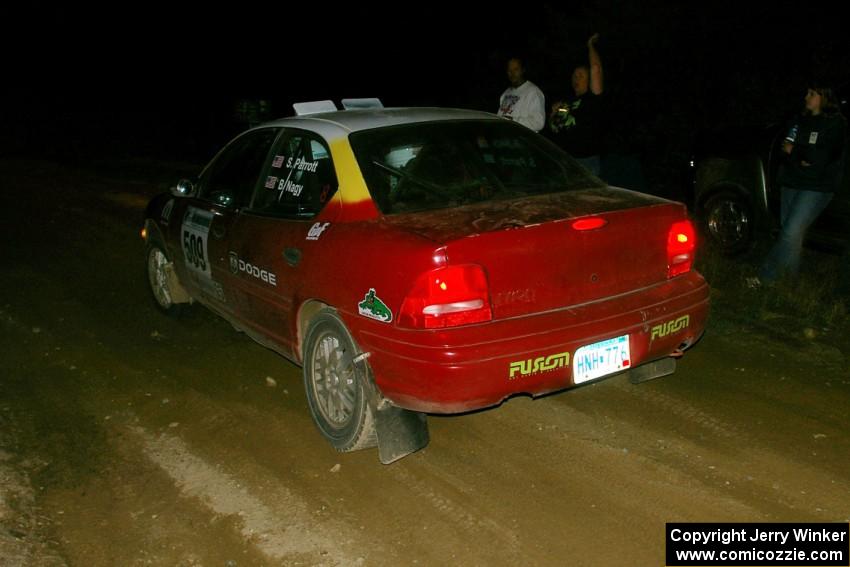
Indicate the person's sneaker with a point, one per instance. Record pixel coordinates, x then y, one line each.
754 282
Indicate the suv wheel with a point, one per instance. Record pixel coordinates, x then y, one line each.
728 222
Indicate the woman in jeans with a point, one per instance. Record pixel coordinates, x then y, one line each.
812 170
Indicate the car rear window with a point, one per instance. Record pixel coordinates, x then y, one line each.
438 165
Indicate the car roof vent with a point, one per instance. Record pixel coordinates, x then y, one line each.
361 103
314 107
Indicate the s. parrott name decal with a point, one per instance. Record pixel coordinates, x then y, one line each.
539 365
670 327
373 308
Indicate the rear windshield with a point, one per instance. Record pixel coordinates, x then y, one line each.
436 165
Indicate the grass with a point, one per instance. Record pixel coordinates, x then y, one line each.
810 305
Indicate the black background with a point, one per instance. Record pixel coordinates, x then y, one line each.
162 81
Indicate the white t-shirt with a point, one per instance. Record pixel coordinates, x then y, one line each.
524 104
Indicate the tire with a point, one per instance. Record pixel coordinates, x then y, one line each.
728 223
156 260
335 388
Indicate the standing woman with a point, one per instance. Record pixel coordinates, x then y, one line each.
811 173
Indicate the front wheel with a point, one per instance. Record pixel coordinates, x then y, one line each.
728 222
336 394
157 263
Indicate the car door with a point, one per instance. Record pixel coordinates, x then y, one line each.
272 240
224 188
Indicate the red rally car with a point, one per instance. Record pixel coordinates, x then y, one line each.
423 260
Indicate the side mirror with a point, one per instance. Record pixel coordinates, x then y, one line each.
184 188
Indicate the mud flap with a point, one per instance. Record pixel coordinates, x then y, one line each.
400 432
652 370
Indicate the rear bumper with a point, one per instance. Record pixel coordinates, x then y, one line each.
469 368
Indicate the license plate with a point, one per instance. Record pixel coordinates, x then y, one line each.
600 359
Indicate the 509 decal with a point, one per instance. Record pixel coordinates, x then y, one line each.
538 365
196 229
669 327
194 246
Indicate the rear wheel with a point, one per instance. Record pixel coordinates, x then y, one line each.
728 222
335 387
158 281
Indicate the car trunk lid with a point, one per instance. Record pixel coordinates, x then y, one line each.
538 257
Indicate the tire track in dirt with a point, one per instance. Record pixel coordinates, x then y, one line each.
723 460
467 515
283 531
613 455
677 407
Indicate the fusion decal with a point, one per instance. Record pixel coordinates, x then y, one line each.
539 365
373 308
670 327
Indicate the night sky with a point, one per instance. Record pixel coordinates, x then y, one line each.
164 81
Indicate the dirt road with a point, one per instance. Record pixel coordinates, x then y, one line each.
127 438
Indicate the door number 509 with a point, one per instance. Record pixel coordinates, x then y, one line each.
193 245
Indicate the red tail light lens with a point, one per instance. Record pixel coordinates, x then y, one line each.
681 244
590 223
447 297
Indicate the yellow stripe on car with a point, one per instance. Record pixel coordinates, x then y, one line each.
352 187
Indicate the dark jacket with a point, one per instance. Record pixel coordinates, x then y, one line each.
815 164
582 135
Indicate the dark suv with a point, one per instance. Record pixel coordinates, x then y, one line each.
736 194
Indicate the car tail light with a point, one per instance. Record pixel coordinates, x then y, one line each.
447 297
589 223
681 244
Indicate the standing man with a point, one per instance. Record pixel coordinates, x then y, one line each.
523 101
578 123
